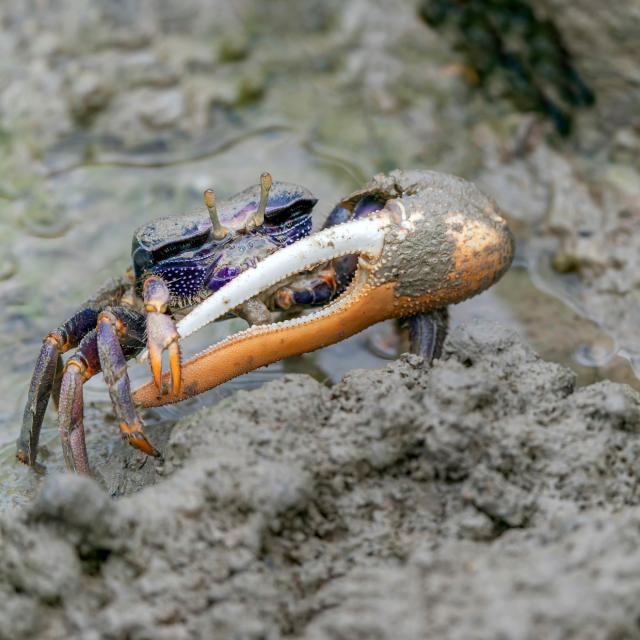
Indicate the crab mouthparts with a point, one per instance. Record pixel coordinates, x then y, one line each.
263 344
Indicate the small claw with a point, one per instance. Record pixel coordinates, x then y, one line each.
162 335
156 295
161 331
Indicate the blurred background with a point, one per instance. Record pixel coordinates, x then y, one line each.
113 112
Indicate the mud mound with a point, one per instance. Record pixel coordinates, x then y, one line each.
484 498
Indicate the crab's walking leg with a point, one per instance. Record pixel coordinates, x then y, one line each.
427 332
315 288
161 332
47 369
121 329
88 360
46 377
79 368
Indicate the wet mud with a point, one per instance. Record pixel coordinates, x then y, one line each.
485 497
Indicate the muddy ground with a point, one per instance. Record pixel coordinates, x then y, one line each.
487 497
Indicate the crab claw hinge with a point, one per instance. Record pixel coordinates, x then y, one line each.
219 231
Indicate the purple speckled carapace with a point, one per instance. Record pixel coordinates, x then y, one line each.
183 251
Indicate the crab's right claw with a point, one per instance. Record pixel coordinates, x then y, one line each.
431 247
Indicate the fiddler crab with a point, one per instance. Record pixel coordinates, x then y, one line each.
405 246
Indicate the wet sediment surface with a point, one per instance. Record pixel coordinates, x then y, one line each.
485 497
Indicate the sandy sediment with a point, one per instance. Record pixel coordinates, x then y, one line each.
484 498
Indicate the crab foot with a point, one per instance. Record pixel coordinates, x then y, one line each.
162 334
57 382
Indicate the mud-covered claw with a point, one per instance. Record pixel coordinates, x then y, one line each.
437 241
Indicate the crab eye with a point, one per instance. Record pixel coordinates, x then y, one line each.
142 259
285 205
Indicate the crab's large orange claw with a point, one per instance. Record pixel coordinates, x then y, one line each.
437 241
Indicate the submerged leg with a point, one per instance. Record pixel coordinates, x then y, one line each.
427 332
121 335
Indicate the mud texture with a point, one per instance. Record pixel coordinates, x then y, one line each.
484 498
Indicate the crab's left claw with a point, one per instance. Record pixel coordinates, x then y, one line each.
162 334
431 247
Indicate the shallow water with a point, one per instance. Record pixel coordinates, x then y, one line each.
73 231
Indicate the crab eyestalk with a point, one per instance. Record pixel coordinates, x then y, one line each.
265 187
219 231
427 249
